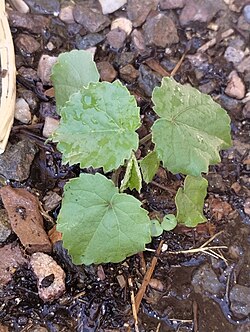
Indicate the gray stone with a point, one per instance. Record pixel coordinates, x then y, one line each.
138 41
66 13
138 10
116 38
33 23
5 229
50 276
124 58
51 200
15 162
20 6
246 13
172 4
201 11
128 73
90 17
50 126
246 111
205 281
123 24
148 80
233 55
110 6
30 98
28 73
243 24
240 301
26 44
244 66
48 7
22 111
160 31
90 40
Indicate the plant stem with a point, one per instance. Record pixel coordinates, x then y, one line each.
145 139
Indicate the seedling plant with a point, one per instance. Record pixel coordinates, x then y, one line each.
101 223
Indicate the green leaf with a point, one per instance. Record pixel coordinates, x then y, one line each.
192 128
156 229
97 126
169 222
72 71
149 166
100 225
132 178
190 201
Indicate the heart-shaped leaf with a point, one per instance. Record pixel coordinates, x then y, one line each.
190 201
100 225
72 71
192 128
97 126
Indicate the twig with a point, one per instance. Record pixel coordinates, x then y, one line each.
142 263
158 327
153 64
132 297
195 313
176 68
171 191
147 278
145 139
213 41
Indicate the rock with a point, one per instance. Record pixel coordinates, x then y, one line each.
138 10
123 24
148 80
201 11
50 126
90 17
235 87
110 6
106 71
90 40
25 218
45 65
128 73
242 24
22 111
21 7
66 13
246 111
28 73
156 284
230 104
160 31
216 183
124 58
5 229
172 4
48 7
4 328
208 87
51 200
240 301
205 281
51 277
33 23
116 38
31 98
11 259
233 55
15 162
247 206
26 44
138 41
246 13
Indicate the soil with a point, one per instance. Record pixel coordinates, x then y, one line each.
192 291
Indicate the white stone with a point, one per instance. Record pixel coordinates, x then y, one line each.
50 125
235 87
110 6
234 55
45 65
123 24
22 111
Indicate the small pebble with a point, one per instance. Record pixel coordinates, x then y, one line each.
233 55
116 38
247 206
156 284
66 14
235 87
110 6
107 71
45 65
20 6
22 111
50 125
123 24
246 13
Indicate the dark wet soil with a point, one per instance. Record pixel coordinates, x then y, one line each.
95 298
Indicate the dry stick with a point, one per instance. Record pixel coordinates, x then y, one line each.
195 312
213 41
171 191
147 278
176 68
132 297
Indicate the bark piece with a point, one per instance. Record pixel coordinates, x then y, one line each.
26 219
